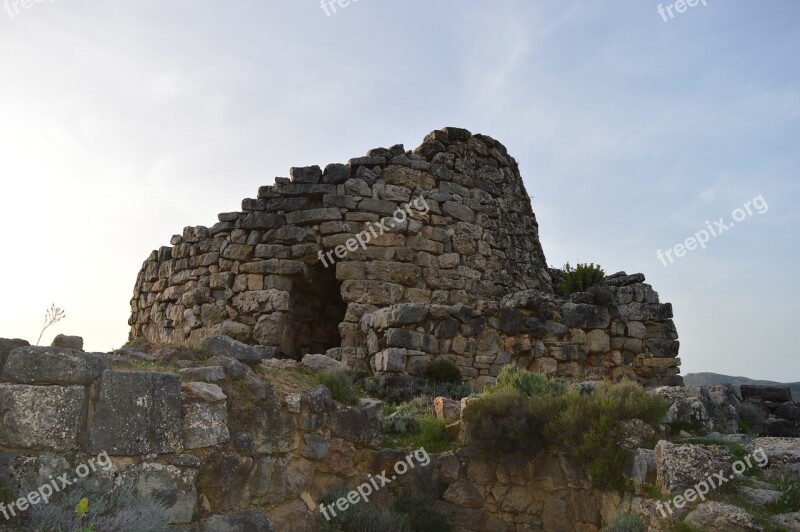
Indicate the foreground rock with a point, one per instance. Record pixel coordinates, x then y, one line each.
718 516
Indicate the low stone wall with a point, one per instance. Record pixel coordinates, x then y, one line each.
632 336
218 441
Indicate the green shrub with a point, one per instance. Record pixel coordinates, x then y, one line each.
506 421
433 435
580 278
442 370
627 523
340 383
501 423
450 390
528 382
361 517
414 424
120 509
590 427
421 518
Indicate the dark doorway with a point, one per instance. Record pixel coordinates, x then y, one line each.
317 311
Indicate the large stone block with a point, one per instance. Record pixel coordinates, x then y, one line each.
52 365
42 418
138 412
172 486
6 346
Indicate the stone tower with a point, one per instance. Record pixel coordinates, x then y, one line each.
394 259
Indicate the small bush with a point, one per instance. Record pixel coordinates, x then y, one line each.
443 370
414 424
456 391
627 523
590 427
528 382
500 423
506 421
433 435
109 508
580 278
340 383
421 518
360 517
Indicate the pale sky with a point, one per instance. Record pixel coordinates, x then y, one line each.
122 122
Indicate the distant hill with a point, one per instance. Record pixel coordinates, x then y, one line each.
709 379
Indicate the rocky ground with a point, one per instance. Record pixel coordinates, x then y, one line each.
229 437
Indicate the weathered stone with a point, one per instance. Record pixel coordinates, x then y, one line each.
6 346
169 485
52 365
777 394
228 347
712 515
42 418
680 467
207 374
68 342
318 363
137 413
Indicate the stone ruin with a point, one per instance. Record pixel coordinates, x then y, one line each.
436 253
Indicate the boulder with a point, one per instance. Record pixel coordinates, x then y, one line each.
6 346
207 374
760 497
138 412
712 515
680 467
53 365
319 363
447 409
228 347
42 418
68 342
205 415
706 408
777 394
172 486
789 521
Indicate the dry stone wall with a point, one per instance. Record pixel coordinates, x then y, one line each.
442 236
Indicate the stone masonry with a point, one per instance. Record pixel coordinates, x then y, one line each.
461 274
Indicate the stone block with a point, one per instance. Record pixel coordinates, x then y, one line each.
52 365
42 418
137 413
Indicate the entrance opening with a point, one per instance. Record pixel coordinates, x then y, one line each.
318 310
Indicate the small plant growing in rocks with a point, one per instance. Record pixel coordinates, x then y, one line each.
580 278
52 316
95 505
627 523
340 383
